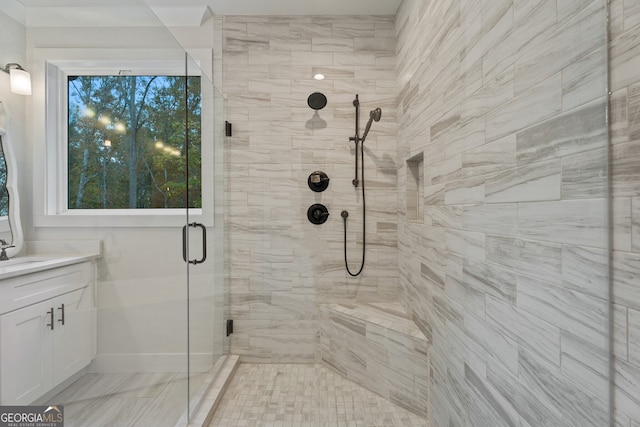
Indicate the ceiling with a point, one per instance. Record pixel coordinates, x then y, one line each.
244 7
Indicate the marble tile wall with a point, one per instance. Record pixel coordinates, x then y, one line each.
624 152
506 273
378 347
281 266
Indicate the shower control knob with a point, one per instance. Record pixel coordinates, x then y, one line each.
318 181
317 214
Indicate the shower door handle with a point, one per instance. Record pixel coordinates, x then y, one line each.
204 243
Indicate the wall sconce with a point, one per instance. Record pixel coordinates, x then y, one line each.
20 78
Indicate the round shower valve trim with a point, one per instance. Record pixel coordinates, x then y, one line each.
317 214
318 181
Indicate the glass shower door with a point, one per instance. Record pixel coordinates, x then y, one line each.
158 317
204 231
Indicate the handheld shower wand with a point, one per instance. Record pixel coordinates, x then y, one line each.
375 114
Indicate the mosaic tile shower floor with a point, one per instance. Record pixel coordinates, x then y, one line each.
295 395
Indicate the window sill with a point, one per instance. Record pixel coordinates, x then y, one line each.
122 218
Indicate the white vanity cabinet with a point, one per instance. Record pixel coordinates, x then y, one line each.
25 355
47 328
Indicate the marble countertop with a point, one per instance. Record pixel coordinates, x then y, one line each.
21 265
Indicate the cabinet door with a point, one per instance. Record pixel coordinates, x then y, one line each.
73 336
26 343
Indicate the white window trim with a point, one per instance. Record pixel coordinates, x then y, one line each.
50 69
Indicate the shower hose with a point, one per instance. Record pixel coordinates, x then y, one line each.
345 214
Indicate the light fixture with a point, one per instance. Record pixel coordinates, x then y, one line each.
20 78
319 76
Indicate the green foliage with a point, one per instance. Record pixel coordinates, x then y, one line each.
143 119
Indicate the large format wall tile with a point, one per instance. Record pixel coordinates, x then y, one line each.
281 266
507 274
624 133
571 133
506 102
377 347
579 222
529 183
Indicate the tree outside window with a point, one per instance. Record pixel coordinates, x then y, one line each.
127 142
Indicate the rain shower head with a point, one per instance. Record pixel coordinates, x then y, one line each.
375 114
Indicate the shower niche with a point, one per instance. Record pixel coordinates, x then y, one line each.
415 188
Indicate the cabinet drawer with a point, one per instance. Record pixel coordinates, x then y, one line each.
32 288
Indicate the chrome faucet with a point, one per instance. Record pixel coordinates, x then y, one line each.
3 248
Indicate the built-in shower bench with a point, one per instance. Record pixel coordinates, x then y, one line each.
377 346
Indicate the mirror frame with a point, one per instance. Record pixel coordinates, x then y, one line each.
15 224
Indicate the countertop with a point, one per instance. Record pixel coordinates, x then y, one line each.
22 265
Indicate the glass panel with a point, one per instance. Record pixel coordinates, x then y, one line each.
142 370
206 241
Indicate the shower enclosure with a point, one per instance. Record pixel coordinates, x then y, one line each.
489 200
125 126
487 196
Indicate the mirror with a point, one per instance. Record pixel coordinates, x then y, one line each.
5 229
10 225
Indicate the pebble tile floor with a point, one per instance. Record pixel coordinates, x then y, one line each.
295 395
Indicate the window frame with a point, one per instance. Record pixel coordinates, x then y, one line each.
50 122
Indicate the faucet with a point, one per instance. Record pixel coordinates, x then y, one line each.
3 248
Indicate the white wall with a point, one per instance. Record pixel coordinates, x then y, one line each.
142 278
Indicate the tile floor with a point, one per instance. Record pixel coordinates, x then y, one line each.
291 395
126 400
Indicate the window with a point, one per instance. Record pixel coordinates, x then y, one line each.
113 151
126 142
